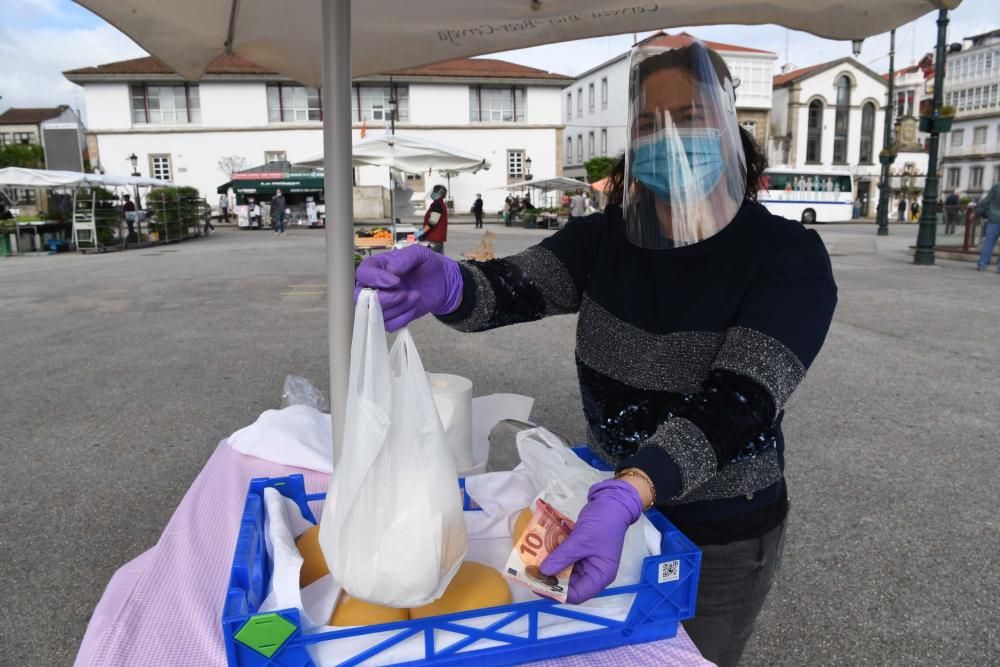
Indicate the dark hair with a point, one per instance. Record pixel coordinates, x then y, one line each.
755 156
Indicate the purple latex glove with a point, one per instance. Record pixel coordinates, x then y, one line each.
411 282
594 547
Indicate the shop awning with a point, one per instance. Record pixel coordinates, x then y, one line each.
289 184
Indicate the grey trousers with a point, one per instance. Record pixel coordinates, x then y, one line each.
735 579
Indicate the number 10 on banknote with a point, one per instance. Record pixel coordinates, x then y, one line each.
547 529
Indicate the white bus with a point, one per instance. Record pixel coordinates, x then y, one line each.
808 195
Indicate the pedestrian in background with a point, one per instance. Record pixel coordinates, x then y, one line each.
278 212
915 211
950 212
901 209
577 205
508 210
224 207
435 229
128 211
477 211
989 207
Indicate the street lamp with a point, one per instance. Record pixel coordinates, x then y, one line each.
928 216
886 157
856 46
527 169
134 159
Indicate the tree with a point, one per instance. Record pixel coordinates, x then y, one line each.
29 156
598 167
231 164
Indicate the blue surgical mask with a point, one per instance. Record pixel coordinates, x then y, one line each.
655 162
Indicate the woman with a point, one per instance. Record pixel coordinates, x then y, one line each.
434 230
699 313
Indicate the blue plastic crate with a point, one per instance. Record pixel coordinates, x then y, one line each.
664 597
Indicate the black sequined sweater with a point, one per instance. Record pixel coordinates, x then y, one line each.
685 357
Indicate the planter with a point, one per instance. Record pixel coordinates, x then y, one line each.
939 125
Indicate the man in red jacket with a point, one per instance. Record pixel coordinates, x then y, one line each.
435 228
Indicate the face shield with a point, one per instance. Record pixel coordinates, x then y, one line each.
685 170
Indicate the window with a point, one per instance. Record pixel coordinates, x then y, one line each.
579 102
4 138
867 133
165 105
976 178
159 167
956 138
579 148
814 132
569 150
900 104
373 102
954 176
569 106
291 104
604 93
275 156
841 123
590 98
496 105
515 164
590 144
979 136
996 174
909 102
24 137
604 142
416 182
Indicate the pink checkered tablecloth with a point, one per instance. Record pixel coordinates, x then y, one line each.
164 607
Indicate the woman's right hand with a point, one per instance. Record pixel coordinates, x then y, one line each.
411 282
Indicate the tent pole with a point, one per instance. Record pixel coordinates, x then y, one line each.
339 195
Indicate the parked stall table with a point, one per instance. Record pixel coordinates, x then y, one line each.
165 606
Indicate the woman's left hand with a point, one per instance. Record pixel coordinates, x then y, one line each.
594 546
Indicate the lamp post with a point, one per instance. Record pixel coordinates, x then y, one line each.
134 159
886 157
856 46
924 255
393 104
527 169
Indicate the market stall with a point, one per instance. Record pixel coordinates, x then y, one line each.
93 219
300 185
323 44
545 195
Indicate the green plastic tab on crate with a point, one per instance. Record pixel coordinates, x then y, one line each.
265 633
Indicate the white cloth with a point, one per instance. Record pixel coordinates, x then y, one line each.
298 435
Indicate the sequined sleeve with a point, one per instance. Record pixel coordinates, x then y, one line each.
723 427
546 279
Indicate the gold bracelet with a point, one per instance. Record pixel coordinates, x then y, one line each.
635 472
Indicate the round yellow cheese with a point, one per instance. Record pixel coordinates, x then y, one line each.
313 564
520 524
474 586
352 611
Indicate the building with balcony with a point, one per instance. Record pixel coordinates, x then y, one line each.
595 105
240 114
970 161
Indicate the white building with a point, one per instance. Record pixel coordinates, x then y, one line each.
242 113
595 106
831 115
971 151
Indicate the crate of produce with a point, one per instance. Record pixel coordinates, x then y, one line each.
500 635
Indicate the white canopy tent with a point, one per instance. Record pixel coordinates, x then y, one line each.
327 42
403 154
560 183
84 227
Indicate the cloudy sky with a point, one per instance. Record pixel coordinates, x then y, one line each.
41 38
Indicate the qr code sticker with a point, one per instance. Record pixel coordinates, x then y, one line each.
670 571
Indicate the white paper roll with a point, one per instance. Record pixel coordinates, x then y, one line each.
453 398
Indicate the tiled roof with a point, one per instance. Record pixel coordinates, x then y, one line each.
487 68
782 79
901 72
224 64
232 64
666 40
16 116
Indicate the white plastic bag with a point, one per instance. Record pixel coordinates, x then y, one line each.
394 533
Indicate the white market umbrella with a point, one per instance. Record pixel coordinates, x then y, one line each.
410 155
326 42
